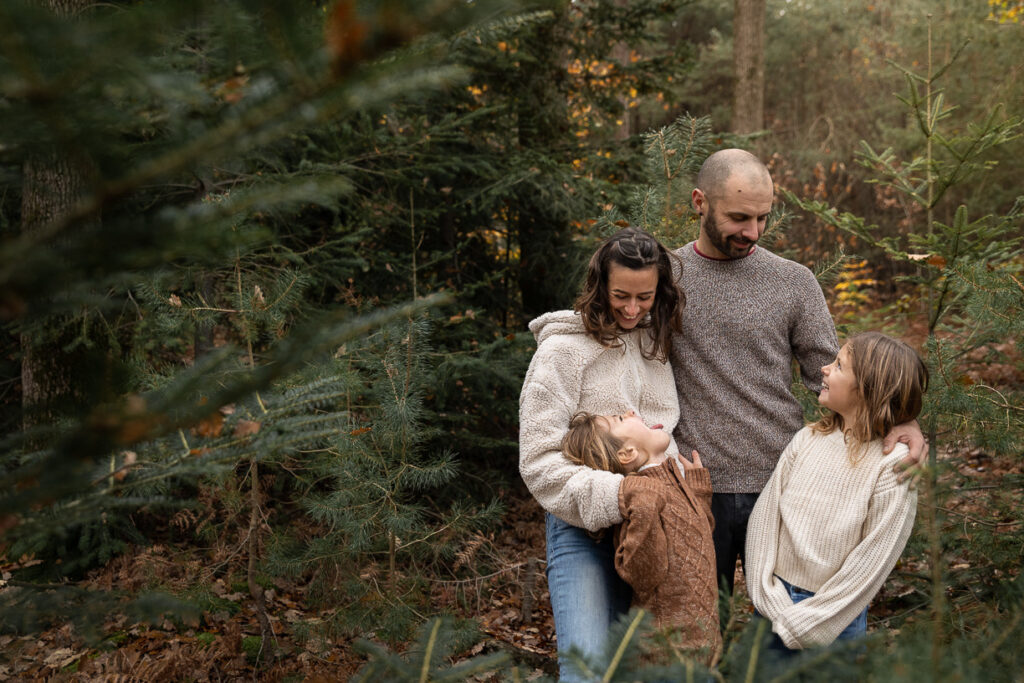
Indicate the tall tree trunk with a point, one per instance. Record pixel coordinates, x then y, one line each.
52 184
748 60
620 55
51 187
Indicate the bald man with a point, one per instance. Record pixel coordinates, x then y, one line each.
749 314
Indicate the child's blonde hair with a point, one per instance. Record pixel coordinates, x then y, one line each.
589 442
890 379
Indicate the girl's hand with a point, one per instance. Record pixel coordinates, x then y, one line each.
687 465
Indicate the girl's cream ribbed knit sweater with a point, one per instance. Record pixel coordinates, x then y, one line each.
829 526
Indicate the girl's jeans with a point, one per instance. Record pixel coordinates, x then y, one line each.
857 628
587 595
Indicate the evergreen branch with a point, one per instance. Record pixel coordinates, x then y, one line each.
312 396
938 309
263 446
327 508
1005 405
949 62
755 651
172 162
971 518
292 353
168 472
647 198
123 469
992 134
477 579
698 133
389 598
965 421
827 272
623 644
994 645
425 670
910 75
260 124
433 533
723 592
500 28
809 665
213 309
283 294
139 419
884 163
309 559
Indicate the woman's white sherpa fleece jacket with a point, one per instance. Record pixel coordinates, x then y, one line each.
571 371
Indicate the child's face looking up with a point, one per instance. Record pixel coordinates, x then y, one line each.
630 429
839 385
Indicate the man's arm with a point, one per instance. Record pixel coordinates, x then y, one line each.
813 333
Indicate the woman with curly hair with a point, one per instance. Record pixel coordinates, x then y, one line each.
608 356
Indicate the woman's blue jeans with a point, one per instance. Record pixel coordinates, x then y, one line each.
856 629
587 595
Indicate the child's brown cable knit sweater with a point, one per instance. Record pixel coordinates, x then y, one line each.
665 552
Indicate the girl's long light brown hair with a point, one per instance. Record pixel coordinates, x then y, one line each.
890 380
634 249
589 443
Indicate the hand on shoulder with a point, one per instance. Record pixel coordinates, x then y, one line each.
687 464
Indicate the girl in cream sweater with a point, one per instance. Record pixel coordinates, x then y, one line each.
833 520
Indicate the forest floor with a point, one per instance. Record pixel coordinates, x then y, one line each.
509 602
222 644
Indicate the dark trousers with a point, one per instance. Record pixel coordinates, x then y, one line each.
731 511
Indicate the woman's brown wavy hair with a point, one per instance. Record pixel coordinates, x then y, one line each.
890 379
635 249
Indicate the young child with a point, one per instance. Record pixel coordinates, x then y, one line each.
663 548
833 520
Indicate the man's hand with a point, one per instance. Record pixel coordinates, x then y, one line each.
910 434
687 465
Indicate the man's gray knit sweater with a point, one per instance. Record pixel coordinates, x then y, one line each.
745 321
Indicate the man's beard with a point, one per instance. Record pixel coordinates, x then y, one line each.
725 245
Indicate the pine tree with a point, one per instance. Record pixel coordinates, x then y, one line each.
673 156
386 517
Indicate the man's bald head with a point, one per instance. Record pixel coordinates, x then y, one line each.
722 165
733 198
